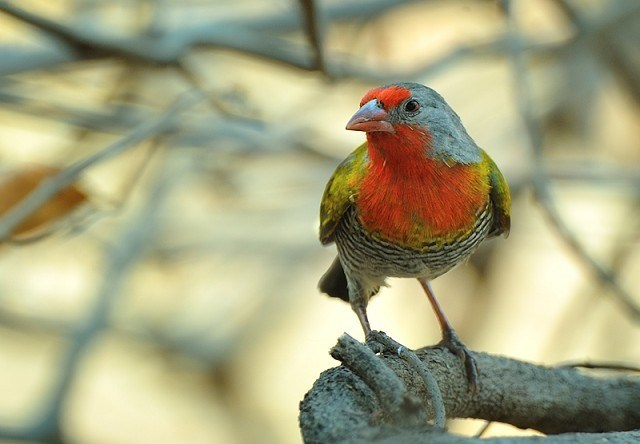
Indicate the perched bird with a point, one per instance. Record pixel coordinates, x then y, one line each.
413 201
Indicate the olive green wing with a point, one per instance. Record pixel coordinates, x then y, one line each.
500 200
341 191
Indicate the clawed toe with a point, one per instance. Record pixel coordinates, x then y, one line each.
372 341
451 341
379 342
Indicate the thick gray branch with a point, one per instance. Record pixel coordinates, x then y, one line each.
341 406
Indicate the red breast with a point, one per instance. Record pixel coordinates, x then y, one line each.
410 199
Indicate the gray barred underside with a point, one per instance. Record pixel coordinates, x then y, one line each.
371 259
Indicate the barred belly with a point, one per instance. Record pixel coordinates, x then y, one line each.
366 255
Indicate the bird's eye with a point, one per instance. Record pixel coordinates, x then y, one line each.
412 106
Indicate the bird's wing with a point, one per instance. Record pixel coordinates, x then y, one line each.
500 200
341 191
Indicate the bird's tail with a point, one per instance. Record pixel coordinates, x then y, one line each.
334 281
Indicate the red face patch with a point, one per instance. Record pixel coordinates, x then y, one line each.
389 97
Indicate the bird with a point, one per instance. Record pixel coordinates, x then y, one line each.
413 201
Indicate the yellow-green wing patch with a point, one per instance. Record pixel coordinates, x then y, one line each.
500 200
341 191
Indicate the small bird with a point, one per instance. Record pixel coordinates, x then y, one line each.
413 201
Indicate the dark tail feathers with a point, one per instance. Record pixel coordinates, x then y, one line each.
334 281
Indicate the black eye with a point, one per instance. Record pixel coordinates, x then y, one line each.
412 106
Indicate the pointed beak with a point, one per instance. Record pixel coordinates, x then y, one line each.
370 117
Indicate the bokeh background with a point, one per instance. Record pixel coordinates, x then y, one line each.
170 295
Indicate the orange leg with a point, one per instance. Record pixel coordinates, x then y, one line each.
450 339
358 300
361 312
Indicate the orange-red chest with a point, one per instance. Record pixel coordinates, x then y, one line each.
410 199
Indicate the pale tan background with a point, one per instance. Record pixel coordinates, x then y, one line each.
217 330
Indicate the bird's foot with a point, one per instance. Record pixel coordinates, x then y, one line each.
451 341
380 342
371 340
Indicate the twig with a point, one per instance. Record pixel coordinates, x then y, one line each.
314 28
617 366
483 429
606 43
195 81
169 47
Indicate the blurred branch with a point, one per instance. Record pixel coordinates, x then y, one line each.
561 339
249 35
596 174
197 82
167 48
483 429
607 42
314 28
201 131
118 118
85 44
540 178
253 36
122 254
197 341
67 177
343 10
616 366
342 405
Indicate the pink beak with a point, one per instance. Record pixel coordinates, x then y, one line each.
370 117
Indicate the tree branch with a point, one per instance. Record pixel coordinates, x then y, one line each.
342 406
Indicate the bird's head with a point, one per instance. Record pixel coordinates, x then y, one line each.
404 117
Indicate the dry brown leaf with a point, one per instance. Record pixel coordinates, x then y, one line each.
16 187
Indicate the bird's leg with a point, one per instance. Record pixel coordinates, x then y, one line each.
369 337
450 338
358 300
361 312
359 306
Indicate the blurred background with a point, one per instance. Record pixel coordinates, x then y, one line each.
165 291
